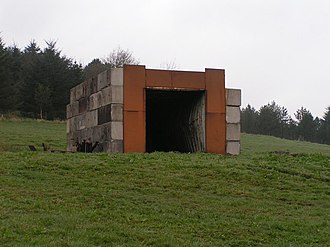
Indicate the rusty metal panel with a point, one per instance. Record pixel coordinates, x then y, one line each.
216 94
158 78
188 80
216 133
134 84
134 131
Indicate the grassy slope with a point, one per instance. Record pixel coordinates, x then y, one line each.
17 134
163 199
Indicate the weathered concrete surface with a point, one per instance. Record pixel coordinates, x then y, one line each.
117 112
68 111
91 119
70 125
72 95
117 94
233 114
79 92
117 76
233 119
103 79
106 96
233 132
95 101
233 97
104 114
80 122
117 130
117 146
74 108
83 105
233 147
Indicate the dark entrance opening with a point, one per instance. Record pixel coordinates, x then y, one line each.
175 120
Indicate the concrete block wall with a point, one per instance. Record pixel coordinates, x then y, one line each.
95 112
233 119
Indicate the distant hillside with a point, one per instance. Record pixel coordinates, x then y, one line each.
260 143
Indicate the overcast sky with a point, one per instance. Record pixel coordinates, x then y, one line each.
271 49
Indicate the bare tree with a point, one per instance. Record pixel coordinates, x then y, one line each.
118 57
169 65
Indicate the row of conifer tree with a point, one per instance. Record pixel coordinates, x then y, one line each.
274 120
36 82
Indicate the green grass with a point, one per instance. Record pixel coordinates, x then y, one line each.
17 134
162 199
252 144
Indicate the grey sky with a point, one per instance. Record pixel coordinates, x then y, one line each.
271 49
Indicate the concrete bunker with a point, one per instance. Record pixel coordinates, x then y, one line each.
175 120
134 109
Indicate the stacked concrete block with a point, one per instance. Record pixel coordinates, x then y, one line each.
95 112
233 119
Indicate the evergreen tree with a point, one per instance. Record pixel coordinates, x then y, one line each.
307 126
4 84
272 119
324 131
30 57
94 68
10 77
249 118
48 78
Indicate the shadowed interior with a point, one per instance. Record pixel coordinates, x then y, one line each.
175 120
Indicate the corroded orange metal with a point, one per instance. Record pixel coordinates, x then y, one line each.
137 78
158 78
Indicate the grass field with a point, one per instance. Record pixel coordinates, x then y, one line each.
161 199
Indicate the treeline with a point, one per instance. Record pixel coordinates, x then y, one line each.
274 120
36 82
